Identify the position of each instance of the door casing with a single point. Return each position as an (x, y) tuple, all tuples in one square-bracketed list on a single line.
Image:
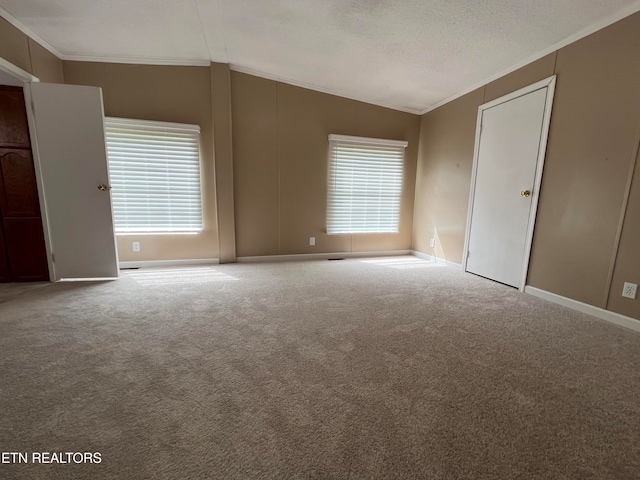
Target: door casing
[(548, 83)]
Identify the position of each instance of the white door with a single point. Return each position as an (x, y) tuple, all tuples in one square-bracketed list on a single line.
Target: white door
[(511, 138), (67, 132)]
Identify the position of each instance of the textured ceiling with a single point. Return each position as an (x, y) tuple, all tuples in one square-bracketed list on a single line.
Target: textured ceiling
[(406, 54)]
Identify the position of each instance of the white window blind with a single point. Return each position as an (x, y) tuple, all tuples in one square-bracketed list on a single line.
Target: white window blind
[(365, 184), (154, 170)]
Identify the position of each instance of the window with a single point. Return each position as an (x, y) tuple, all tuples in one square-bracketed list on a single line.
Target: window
[(154, 169), (365, 183)]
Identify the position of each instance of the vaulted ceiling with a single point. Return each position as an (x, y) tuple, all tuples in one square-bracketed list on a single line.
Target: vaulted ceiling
[(405, 54)]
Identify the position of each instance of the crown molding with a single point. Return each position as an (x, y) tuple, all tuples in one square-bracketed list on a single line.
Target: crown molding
[(309, 86), (610, 20), (174, 62), (29, 33)]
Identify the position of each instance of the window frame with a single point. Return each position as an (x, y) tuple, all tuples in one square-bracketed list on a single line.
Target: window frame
[(156, 128), (391, 151)]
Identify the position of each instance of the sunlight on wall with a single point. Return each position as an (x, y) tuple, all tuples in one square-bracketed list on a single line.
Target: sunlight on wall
[(438, 251)]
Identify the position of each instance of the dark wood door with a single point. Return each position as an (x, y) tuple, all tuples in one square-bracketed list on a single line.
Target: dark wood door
[(5, 275), (27, 254), (19, 191), (23, 254), (14, 131)]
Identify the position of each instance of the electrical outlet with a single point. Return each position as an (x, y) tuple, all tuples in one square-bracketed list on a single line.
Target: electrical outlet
[(312, 241), (629, 290), (432, 242), (136, 246)]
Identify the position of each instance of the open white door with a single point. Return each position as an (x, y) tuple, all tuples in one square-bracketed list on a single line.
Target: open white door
[(67, 136)]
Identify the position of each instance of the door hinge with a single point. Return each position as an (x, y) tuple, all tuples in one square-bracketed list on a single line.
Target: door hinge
[(53, 257)]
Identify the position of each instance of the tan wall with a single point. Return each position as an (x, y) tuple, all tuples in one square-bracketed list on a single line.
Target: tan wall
[(595, 120), (17, 48), (592, 143), (170, 94), (45, 65), (445, 159), (627, 265), (280, 143)]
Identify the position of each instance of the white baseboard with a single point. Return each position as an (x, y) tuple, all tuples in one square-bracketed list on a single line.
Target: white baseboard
[(169, 263), (320, 256), (431, 258), (585, 308)]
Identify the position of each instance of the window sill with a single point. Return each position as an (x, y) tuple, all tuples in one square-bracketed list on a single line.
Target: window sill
[(155, 234)]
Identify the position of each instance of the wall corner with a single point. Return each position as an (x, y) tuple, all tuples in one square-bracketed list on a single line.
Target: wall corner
[(223, 160)]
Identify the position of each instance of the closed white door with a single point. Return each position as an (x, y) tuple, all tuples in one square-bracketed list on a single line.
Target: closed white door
[(67, 131), (507, 157)]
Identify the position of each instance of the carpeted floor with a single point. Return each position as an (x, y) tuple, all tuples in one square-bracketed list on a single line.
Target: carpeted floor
[(354, 369), (9, 291)]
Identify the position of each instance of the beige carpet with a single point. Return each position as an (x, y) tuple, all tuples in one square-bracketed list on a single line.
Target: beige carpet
[(376, 369)]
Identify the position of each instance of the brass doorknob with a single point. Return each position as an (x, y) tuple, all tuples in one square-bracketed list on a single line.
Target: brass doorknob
[(103, 188), (525, 193)]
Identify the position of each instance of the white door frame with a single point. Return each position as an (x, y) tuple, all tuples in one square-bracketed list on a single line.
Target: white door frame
[(550, 84), (41, 191), (27, 78), (16, 72)]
